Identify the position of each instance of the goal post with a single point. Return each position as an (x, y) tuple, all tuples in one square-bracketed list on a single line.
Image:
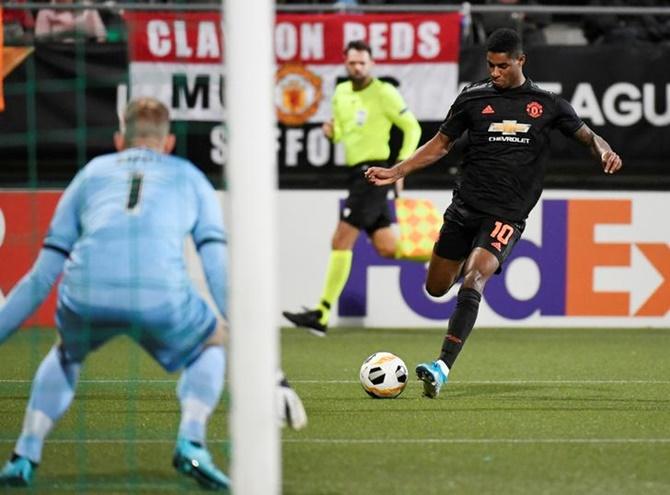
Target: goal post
[(251, 174)]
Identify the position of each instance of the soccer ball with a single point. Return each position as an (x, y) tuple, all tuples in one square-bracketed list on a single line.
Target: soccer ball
[(383, 375)]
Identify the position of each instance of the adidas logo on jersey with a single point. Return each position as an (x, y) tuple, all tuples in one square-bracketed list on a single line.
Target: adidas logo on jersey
[(488, 110), (497, 245)]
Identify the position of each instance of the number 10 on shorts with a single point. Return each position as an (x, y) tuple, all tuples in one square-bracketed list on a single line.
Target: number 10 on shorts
[(502, 232)]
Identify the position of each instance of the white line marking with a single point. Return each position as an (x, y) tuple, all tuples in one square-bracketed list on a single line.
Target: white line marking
[(511, 382), (104, 382), (128, 487), (346, 382), (365, 441), (477, 440)]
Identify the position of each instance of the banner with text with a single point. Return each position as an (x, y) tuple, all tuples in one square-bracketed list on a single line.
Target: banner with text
[(178, 58), (55, 119), (585, 259)]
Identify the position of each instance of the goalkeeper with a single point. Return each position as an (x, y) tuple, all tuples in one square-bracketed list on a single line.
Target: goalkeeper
[(118, 237)]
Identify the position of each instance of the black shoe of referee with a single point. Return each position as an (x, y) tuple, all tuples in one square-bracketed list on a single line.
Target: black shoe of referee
[(309, 319)]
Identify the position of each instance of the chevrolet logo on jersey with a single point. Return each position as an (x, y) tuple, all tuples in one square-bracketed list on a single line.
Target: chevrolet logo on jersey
[(509, 130), (509, 127)]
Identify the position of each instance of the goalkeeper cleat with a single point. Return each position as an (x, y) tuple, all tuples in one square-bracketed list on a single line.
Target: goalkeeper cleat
[(309, 319), (290, 409), (18, 471), (194, 460), (433, 375)]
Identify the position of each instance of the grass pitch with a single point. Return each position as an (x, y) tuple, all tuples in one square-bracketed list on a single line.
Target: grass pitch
[(527, 411)]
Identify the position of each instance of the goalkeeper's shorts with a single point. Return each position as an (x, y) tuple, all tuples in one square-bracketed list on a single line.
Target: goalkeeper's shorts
[(173, 334)]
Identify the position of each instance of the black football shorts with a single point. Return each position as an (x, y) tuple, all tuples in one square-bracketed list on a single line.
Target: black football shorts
[(366, 207), (465, 228)]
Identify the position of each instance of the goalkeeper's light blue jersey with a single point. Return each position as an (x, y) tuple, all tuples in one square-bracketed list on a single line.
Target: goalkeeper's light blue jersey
[(123, 222)]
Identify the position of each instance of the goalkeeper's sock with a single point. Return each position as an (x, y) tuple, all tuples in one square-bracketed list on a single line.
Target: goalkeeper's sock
[(51, 395), (337, 273), (199, 390), (460, 324)]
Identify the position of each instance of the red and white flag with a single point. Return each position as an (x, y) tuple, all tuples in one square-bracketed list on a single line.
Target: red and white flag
[(177, 58), (2, 68)]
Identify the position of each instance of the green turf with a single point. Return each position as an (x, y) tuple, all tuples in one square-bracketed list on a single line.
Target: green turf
[(527, 411)]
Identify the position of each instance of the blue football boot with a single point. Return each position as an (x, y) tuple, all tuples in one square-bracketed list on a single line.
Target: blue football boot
[(433, 375), (195, 461), (18, 471)]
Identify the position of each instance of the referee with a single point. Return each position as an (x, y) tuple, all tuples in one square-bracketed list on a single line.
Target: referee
[(364, 110)]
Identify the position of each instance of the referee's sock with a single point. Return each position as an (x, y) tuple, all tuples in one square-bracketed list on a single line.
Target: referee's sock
[(460, 324), (337, 273)]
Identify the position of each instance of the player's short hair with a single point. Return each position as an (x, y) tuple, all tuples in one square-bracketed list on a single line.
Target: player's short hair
[(505, 40), (145, 118), (359, 45)]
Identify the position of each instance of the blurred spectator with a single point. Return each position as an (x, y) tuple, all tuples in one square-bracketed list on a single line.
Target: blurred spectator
[(622, 29), (529, 26), (66, 25), (18, 25), (112, 19)]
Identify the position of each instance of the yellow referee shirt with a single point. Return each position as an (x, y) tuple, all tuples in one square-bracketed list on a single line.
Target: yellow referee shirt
[(362, 120)]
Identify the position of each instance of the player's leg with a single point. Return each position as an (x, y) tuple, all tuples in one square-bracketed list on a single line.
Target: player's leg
[(187, 334), (479, 268), (385, 242), (52, 391), (200, 386), (337, 273), (445, 267), (493, 244), (338, 269), (362, 210), (442, 275), (199, 390)]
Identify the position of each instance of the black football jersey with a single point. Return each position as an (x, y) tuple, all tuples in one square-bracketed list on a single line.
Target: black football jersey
[(507, 144)]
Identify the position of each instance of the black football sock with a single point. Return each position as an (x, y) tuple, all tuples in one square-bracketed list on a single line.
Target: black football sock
[(460, 324)]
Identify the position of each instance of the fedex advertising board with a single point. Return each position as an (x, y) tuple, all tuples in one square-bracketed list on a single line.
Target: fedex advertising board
[(585, 259)]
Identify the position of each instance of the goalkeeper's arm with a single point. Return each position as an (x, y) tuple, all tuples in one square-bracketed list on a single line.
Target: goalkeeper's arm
[(214, 263), (29, 293)]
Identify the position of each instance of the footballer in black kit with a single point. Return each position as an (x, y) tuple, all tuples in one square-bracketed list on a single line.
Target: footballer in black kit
[(508, 119), (504, 162)]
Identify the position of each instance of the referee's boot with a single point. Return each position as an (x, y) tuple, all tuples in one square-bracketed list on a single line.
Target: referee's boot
[(18, 471), (194, 460), (309, 319), (433, 375)]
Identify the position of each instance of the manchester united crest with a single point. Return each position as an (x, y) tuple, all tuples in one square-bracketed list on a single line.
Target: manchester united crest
[(297, 94), (534, 109)]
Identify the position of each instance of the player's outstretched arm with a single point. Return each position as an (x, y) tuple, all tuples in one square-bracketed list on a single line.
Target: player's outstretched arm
[(427, 154), (610, 161), (31, 290)]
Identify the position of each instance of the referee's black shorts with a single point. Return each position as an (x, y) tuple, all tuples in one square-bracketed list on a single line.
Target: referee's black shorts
[(366, 207)]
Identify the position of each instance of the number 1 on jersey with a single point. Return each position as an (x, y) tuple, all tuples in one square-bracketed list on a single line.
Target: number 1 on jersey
[(135, 192)]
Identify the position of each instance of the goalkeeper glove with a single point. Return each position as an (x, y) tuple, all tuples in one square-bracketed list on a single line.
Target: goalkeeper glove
[(290, 409)]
